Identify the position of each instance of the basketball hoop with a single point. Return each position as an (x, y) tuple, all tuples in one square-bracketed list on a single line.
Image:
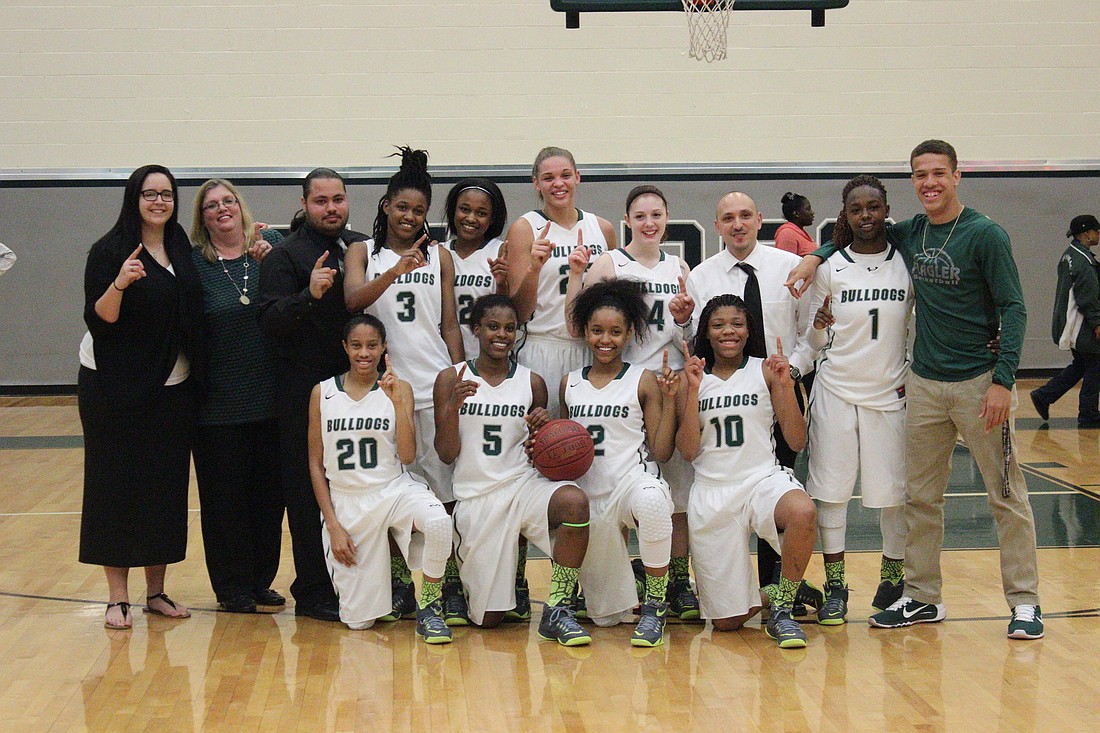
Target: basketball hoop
[(707, 24)]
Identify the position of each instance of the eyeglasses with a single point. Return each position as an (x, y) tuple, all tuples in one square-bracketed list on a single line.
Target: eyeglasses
[(151, 195), (227, 202)]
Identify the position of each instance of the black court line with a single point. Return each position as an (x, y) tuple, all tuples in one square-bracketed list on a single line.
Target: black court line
[(36, 442), (88, 601)]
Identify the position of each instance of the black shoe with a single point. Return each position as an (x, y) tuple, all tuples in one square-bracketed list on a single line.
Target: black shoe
[(639, 578), (268, 597), (1040, 407), (454, 609), (1087, 424), (238, 604), (323, 611)]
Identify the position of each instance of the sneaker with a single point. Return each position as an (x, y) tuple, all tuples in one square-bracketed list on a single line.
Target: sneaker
[(650, 630), (580, 606), (455, 610), (887, 594), (404, 600), (785, 630), (906, 612), (1026, 623), (522, 611), (809, 594), (430, 625), (639, 578), (835, 610), (1040, 407), (559, 623), (682, 601)]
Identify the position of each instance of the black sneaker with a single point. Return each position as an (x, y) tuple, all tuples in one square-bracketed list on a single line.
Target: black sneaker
[(650, 630), (559, 623), (639, 578), (835, 610), (430, 625), (907, 612), (580, 605), (1040, 407), (809, 594), (888, 594), (1026, 623), (785, 630), (455, 610), (404, 600), (522, 611), (682, 601)]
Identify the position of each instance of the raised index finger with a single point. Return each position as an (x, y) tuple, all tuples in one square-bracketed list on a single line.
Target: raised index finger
[(828, 299), (545, 231), (321, 261), (779, 346), (683, 286), (684, 346), (462, 371), (664, 362), (136, 252)]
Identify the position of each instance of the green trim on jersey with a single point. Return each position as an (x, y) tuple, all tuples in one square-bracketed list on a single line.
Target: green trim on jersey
[(585, 370)]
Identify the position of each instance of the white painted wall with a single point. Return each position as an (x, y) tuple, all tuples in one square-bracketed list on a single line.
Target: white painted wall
[(102, 83)]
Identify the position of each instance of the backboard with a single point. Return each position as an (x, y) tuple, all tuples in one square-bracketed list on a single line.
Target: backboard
[(573, 8)]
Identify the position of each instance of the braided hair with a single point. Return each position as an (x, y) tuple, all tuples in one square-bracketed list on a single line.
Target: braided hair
[(842, 232), (413, 174), (705, 350)]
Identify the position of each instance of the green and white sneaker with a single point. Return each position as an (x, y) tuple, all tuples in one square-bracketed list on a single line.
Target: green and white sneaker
[(835, 610), (906, 612), (1026, 623), (430, 625), (887, 594), (559, 623), (650, 630), (784, 629)]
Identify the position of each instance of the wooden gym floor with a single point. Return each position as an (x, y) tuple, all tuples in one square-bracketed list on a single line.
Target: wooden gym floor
[(272, 672)]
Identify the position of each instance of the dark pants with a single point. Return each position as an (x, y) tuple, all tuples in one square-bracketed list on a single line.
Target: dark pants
[(311, 584), (242, 506), (1084, 368), (767, 559)]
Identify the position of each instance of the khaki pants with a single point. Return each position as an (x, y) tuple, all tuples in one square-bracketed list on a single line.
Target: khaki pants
[(936, 411)]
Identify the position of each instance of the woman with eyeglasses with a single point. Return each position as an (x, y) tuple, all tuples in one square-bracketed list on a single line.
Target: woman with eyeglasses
[(140, 363), (239, 490)]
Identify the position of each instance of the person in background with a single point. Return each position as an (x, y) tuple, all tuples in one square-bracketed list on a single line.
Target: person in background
[(1075, 325), (791, 236)]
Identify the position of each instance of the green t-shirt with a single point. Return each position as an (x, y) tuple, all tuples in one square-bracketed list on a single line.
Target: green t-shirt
[(964, 291)]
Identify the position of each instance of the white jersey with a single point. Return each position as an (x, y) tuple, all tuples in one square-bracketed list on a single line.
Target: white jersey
[(737, 419), (492, 431), (359, 438), (549, 316), (661, 285), (863, 359), (613, 417), (411, 310), (473, 279)]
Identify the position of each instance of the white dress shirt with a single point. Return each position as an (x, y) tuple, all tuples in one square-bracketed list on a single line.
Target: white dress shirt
[(784, 316)]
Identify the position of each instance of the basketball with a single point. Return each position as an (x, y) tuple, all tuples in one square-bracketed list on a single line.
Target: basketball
[(563, 450)]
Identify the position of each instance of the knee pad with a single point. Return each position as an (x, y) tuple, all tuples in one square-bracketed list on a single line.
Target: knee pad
[(437, 531), (832, 522), (891, 521), (653, 514)]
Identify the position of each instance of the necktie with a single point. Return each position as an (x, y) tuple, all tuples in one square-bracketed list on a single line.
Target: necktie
[(756, 346)]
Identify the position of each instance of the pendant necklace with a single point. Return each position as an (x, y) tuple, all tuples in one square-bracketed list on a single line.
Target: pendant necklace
[(942, 247), (245, 300)]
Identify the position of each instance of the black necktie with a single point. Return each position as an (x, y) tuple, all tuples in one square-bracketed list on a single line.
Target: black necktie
[(756, 346)]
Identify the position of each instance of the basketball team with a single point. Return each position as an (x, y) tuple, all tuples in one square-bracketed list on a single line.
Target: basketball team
[(389, 391)]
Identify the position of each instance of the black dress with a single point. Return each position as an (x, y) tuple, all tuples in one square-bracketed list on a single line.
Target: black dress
[(137, 432)]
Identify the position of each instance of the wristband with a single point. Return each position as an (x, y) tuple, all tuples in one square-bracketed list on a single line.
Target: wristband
[(116, 287)]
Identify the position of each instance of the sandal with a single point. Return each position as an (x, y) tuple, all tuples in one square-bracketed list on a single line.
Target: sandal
[(164, 597), (125, 606)]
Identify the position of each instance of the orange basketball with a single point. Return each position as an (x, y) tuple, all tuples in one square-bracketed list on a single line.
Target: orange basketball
[(563, 450)]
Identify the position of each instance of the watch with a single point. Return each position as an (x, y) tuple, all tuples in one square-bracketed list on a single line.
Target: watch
[(796, 375)]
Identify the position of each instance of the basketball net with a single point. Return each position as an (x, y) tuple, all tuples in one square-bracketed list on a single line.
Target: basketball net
[(707, 24)]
